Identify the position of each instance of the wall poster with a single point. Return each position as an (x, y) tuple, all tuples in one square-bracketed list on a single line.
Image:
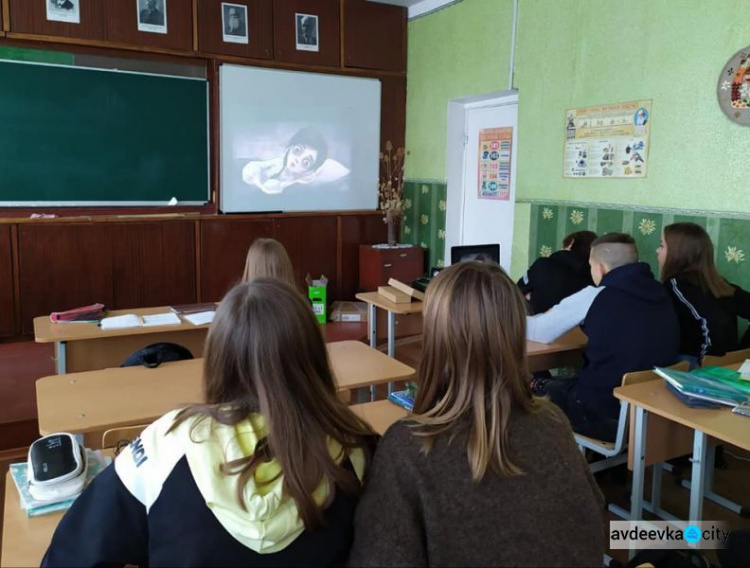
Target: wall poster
[(607, 140), (493, 180)]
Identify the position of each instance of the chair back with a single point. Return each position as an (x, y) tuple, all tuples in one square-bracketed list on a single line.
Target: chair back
[(119, 437), (638, 377), (731, 358)]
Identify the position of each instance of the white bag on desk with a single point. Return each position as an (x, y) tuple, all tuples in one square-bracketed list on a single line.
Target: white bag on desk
[(56, 468)]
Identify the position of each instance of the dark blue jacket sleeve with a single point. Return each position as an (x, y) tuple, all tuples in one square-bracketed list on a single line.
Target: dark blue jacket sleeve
[(106, 526)]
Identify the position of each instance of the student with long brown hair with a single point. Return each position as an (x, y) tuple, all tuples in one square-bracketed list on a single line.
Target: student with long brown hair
[(267, 258), (483, 473), (267, 471), (706, 304)]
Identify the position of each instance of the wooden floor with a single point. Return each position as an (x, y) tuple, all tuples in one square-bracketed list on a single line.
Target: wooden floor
[(23, 362)]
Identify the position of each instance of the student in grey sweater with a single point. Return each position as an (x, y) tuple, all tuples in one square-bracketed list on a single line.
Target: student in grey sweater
[(483, 474)]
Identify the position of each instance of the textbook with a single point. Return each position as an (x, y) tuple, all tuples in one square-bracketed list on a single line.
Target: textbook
[(85, 314), (96, 463), (703, 385), (726, 376), (404, 398), (193, 308)]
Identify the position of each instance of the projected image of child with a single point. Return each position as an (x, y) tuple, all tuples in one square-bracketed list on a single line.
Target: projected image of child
[(305, 153)]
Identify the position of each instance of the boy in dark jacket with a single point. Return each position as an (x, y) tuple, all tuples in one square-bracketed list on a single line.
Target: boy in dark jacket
[(630, 323), (552, 279)]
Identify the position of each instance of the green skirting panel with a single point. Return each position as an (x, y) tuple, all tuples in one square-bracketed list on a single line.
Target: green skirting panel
[(424, 218)]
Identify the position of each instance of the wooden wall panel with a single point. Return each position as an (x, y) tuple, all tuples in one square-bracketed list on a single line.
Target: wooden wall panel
[(122, 24), (355, 231), (260, 27), (373, 36), (7, 309), (284, 31), (154, 264), (311, 244), (30, 16), (62, 267), (393, 111), (224, 246)]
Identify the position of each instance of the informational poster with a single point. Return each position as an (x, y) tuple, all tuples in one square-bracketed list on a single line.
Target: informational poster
[(607, 140), (494, 163)]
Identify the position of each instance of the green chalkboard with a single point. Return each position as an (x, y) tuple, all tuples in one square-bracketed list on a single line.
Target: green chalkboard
[(73, 136)]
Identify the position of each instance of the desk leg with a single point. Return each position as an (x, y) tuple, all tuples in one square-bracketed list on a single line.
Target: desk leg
[(698, 479), (639, 467), (709, 492), (391, 341), (61, 362), (639, 464), (372, 332), (372, 325)]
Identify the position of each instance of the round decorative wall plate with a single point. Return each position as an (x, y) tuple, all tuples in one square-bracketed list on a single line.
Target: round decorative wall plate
[(733, 90)]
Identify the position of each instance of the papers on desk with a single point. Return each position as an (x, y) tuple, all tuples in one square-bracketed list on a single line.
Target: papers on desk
[(131, 320), (161, 319), (18, 471), (120, 322), (200, 318)]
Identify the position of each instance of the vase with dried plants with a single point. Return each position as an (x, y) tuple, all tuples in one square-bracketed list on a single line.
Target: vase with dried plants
[(391, 190)]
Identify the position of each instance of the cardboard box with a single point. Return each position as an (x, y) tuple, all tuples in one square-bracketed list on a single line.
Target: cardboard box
[(318, 294), (349, 311)]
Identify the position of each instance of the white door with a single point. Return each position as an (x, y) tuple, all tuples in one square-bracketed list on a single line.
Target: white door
[(483, 220)]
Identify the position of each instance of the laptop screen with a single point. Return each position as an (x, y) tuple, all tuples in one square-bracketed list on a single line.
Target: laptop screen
[(489, 252)]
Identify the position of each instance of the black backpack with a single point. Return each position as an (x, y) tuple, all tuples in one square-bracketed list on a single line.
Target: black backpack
[(154, 355)]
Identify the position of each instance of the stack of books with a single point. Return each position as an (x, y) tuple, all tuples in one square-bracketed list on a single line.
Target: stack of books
[(193, 308), (404, 398), (714, 384), (96, 462), (87, 314)]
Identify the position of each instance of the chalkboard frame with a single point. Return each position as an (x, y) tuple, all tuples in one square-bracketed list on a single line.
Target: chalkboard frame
[(35, 204)]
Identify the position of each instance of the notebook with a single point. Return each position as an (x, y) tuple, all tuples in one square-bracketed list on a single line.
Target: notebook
[(131, 320), (703, 386), (200, 318)]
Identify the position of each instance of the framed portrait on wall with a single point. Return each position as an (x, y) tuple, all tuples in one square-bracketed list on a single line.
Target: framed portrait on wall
[(64, 11), (307, 32), (152, 16), (234, 23)]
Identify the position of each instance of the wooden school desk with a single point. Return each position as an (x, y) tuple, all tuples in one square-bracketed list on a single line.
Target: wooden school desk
[(652, 397), (85, 347), (379, 414), (26, 540), (564, 351), (375, 301), (96, 400)]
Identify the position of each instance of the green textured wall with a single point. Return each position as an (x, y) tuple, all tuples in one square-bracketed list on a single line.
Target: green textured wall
[(460, 51), (575, 53)]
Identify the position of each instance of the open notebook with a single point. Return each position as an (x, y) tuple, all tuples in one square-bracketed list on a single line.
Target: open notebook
[(131, 320)]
